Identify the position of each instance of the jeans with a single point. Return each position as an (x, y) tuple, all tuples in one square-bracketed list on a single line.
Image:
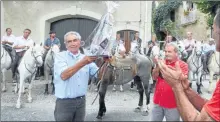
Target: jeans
[(70, 109)]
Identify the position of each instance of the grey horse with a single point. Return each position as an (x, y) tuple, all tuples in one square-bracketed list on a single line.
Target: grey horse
[(121, 72)]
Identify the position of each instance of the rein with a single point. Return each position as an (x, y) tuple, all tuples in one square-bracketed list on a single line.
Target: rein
[(52, 60), (35, 66), (194, 54)]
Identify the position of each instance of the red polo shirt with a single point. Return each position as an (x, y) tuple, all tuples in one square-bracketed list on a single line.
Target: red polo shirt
[(163, 94), (212, 107)]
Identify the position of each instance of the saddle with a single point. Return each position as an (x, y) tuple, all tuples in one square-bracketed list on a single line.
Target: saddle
[(124, 63)]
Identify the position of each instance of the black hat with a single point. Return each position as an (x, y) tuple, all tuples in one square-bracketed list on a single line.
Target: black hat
[(52, 32)]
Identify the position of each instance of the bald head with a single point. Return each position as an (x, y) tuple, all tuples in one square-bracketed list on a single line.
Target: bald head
[(189, 35)]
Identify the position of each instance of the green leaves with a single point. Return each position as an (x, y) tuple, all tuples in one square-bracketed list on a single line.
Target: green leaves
[(208, 7), (161, 17)]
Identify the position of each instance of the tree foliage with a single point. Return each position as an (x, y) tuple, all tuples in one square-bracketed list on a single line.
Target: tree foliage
[(209, 8), (161, 17)]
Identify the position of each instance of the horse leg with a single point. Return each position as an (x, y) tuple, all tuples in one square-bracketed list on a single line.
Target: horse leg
[(16, 85), (29, 90), (145, 81), (210, 81), (46, 74), (102, 92), (18, 105), (4, 81), (190, 77), (141, 94), (198, 83), (121, 88), (53, 88), (114, 88)]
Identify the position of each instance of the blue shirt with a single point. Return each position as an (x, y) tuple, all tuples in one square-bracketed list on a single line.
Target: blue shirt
[(207, 47), (48, 42), (77, 84)]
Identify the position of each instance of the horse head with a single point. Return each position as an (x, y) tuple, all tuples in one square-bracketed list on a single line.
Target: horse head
[(55, 49), (37, 52), (198, 48), (181, 50)]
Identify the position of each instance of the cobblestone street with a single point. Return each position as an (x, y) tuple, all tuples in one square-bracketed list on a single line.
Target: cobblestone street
[(120, 105)]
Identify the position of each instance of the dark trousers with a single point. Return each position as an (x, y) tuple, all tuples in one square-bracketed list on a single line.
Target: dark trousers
[(205, 58), (11, 52), (72, 109), (16, 62)]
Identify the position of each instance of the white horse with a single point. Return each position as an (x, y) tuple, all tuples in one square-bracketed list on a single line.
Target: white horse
[(48, 66), (195, 65), (27, 70), (213, 66), (5, 65)]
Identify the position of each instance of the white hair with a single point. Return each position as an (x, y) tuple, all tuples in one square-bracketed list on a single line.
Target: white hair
[(176, 48), (72, 33)]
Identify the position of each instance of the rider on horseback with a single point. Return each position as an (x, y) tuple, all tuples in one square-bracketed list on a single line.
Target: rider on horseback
[(118, 46), (208, 49), (21, 44), (151, 43), (7, 42), (47, 45), (189, 44)]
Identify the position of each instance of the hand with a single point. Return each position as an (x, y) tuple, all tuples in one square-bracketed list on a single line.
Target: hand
[(23, 47), (185, 84), (155, 73), (172, 76), (89, 59), (150, 45), (4, 42)]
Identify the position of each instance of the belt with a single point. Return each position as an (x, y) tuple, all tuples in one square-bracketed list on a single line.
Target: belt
[(80, 97)]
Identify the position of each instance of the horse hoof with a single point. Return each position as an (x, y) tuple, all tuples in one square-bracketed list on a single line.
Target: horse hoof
[(138, 109), (99, 117), (3, 90), (145, 113), (96, 89), (53, 93), (121, 90), (199, 92), (18, 105), (46, 93), (113, 89), (30, 100)]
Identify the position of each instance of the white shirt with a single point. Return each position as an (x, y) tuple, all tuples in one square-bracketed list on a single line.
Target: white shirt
[(121, 46), (189, 42), (207, 47), (21, 41), (10, 38)]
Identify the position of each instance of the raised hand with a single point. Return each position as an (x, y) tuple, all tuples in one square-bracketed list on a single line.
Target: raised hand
[(89, 59)]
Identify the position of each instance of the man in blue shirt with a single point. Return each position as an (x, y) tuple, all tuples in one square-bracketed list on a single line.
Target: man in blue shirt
[(47, 45), (208, 49), (71, 74)]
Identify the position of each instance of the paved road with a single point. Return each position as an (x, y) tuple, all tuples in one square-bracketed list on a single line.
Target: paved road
[(120, 105)]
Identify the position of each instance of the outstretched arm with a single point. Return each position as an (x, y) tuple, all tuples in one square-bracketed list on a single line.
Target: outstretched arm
[(186, 109)]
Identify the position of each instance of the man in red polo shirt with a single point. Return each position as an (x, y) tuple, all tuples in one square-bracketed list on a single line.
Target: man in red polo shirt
[(191, 106), (164, 99)]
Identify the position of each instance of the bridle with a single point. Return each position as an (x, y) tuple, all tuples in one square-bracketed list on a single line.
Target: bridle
[(194, 62), (35, 67), (52, 55)]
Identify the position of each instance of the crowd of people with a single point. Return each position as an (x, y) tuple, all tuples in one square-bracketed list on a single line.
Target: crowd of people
[(173, 98)]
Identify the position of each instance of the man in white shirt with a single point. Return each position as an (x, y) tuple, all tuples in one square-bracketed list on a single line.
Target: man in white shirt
[(7, 41), (208, 49), (189, 43), (21, 44), (118, 46)]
